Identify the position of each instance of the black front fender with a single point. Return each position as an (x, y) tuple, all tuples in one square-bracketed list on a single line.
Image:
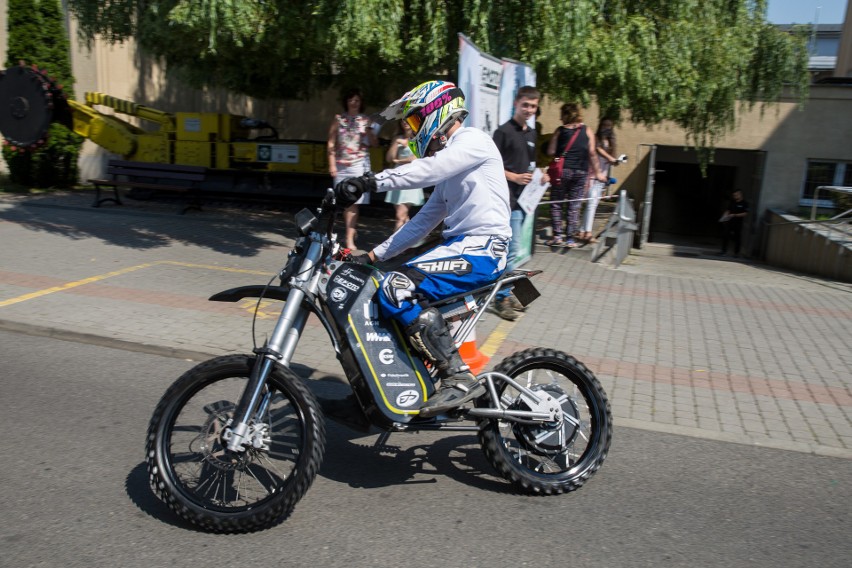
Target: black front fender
[(256, 291)]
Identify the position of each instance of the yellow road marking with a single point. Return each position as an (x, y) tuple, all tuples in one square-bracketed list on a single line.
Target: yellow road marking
[(75, 284), (99, 277), (251, 305), (495, 340), (214, 267), (488, 348)]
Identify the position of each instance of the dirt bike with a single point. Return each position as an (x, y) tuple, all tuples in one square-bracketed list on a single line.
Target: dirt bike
[(237, 440)]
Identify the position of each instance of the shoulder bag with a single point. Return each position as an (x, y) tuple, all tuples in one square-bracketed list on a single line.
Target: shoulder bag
[(554, 170)]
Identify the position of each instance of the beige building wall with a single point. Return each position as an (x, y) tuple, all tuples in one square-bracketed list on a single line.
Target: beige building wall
[(4, 34), (823, 131)]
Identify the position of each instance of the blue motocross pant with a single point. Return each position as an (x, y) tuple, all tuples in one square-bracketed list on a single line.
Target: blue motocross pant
[(458, 265)]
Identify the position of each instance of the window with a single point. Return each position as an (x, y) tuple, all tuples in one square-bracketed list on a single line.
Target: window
[(826, 46), (822, 172)]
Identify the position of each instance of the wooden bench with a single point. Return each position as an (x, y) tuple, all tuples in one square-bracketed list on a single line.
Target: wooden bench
[(154, 177)]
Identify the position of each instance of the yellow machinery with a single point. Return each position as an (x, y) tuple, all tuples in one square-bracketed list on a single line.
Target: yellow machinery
[(224, 143)]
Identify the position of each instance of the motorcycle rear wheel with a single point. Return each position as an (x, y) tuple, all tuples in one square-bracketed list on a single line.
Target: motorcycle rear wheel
[(192, 471), (554, 458)]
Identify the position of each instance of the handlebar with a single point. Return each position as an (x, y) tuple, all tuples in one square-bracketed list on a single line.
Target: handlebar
[(329, 202), (329, 198)]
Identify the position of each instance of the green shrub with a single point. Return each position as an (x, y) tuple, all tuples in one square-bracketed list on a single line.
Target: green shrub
[(843, 202), (55, 164)]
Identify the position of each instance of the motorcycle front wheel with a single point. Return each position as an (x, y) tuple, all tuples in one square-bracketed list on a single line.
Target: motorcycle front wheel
[(193, 472), (548, 458)]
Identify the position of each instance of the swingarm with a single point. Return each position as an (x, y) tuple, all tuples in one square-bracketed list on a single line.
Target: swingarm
[(542, 406)]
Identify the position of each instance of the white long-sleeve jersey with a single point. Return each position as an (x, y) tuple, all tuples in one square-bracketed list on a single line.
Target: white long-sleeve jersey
[(471, 195)]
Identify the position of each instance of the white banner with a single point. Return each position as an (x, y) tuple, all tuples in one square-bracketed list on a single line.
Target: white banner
[(479, 79)]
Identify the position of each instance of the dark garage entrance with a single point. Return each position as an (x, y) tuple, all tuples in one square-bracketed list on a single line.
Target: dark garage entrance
[(686, 205)]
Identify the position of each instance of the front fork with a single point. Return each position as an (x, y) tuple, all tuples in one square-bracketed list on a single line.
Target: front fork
[(244, 429)]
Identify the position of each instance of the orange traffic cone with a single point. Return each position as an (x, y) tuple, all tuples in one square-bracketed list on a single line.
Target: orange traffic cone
[(474, 358)]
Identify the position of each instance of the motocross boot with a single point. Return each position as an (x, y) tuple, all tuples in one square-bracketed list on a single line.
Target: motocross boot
[(430, 335)]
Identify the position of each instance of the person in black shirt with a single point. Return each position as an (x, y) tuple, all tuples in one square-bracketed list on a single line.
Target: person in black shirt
[(732, 222), (516, 141)]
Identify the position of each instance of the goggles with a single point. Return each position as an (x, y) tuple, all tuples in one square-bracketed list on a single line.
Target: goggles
[(414, 121), (418, 116)]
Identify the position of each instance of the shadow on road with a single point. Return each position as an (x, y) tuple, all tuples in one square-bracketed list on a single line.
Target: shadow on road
[(371, 460), (234, 228), (364, 464), (137, 488)]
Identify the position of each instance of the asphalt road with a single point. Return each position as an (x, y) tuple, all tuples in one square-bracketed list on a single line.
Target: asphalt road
[(74, 491)]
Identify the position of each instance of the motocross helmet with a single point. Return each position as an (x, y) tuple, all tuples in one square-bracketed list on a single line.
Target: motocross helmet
[(430, 109)]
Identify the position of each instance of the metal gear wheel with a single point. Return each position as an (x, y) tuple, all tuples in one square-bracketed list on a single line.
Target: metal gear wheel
[(29, 102)]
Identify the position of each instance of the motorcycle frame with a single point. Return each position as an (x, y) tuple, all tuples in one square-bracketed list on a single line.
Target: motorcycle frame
[(300, 300)]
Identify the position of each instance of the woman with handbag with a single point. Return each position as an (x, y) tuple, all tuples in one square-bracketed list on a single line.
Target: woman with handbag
[(573, 144)]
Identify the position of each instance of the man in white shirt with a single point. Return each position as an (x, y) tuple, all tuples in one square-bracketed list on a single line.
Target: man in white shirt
[(471, 198)]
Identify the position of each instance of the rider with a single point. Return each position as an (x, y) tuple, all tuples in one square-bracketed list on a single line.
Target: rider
[(471, 198)]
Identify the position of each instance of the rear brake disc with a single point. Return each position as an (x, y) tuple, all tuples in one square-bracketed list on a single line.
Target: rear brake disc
[(548, 438)]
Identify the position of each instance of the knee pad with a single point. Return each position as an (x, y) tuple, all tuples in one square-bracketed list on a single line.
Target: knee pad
[(397, 288)]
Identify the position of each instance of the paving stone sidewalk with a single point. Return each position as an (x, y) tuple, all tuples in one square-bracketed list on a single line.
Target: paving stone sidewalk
[(699, 346)]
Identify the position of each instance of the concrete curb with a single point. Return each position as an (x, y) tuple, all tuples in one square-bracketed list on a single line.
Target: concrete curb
[(111, 342)]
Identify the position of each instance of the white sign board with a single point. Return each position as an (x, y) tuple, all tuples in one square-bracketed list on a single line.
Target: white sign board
[(532, 193), (278, 153)]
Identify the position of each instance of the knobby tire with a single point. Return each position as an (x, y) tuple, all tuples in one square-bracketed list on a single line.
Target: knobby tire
[(303, 415), (505, 457)]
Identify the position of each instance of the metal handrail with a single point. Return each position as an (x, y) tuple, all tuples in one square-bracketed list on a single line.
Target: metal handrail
[(621, 225), (802, 252), (832, 221), (837, 188), (841, 226)]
